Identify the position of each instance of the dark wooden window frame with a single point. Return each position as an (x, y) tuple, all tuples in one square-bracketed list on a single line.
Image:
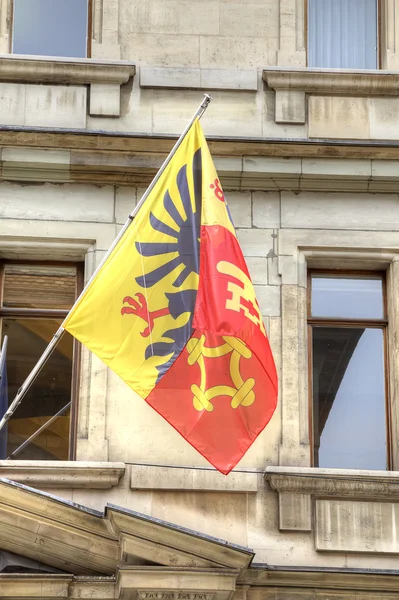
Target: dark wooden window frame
[(89, 26), (58, 314), (339, 322), (380, 19)]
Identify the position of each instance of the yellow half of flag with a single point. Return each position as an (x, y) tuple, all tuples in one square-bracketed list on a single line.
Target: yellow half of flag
[(137, 313)]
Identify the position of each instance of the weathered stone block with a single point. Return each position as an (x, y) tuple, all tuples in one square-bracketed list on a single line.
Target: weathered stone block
[(198, 18), (105, 100), (254, 20), (256, 242), (266, 209), (12, 103), (384, 118), (325, 211), (257, 267), (240, 206), (269, 299), (125, 201), (339, 117), (162, 51), (290, 107), (223, 51), (350, 526), (56, 106), (50, 202), (295, 511)]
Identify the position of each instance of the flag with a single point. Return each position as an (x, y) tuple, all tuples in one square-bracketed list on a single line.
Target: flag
[(173, 312), (3, 398)]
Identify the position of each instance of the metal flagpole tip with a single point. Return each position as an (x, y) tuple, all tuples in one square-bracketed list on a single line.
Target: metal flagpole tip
[(207, 100)]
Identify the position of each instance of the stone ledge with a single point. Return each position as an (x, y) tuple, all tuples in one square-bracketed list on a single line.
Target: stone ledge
[(292, 84), (43, 69), (207, 79), (104, 77), (59, 474), (156, 478), (366, 82), (341, 483)]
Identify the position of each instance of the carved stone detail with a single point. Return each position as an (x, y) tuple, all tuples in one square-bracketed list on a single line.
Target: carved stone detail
[(334, 482)]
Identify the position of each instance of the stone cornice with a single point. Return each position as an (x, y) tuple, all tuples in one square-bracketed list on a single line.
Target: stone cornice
[(96, 141), (59, 474), (340, 483), (28, 69), (321, 579), (245, 172), (331, 81)]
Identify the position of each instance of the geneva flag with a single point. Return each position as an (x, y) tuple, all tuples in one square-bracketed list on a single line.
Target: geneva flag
[(173, 312)]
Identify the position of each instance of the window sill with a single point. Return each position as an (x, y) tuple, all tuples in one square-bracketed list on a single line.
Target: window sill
[(104, 77), (62, 475), (292, 84), (341, 483)]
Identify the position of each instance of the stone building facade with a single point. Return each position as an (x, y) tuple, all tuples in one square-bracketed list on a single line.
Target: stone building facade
[(112, 503)]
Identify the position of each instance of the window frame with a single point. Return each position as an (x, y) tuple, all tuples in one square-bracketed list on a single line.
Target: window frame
[(46, 313), (382, 324), (380, 13), (90, 8)]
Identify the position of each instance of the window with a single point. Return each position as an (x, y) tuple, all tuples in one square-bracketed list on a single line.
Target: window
[(343, 34), (34, 299), (51, 27), (347, 332)]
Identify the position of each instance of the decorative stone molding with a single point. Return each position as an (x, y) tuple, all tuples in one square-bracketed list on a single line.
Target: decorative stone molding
[(291, 86), (341, 483), (63, 475), (237, 172), (104, 77)]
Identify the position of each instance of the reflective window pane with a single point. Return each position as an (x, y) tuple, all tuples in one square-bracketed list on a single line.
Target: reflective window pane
[(35, 286), (27, 338), (347, 298), (50, 27), (349, 414)]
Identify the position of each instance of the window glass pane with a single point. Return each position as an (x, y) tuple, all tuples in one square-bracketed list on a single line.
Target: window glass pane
[(27, 339), (342, 34), (347, 298), (31, 286), (349, 415), (50, 27)]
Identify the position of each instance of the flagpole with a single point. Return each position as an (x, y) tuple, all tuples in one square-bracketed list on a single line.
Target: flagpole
[(25, 387)]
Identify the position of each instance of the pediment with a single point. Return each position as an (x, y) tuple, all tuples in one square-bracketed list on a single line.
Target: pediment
[(144, 554)]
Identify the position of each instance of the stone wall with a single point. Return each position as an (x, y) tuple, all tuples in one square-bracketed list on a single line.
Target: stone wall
[(280, 233)]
